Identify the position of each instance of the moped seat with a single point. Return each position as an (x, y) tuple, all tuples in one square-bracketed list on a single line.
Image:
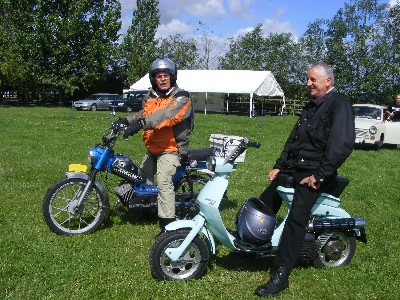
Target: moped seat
[(200, 154)]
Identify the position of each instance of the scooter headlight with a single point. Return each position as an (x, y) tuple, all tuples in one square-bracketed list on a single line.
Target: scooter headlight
[(373, 130), (211, 163)]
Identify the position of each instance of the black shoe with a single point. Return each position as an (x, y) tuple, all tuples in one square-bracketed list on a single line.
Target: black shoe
[(276, 284), (164, 222)]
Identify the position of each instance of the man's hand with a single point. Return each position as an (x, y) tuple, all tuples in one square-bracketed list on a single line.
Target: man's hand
[(121, 122), (132, 129), (311, 182), (272, 174)]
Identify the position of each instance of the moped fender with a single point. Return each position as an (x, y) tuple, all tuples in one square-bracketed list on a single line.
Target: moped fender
[(85, 176), (196, 225)]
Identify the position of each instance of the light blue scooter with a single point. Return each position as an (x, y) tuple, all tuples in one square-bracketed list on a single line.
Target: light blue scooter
[(182, 252)]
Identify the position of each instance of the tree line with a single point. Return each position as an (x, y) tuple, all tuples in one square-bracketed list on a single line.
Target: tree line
[(72, 48)]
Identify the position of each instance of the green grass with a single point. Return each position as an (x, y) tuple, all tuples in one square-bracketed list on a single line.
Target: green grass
[(37, 144)]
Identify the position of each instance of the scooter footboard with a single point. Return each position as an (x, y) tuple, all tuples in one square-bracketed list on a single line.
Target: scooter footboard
[(195, 225)]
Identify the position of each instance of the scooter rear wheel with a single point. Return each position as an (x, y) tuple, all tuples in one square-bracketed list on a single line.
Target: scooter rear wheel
[(191, 265), (337, 249)]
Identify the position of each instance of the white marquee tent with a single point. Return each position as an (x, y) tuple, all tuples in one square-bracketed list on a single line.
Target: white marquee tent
[(261, 83)]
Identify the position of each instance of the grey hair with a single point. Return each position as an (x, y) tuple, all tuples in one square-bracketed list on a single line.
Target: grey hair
[(325, 69)]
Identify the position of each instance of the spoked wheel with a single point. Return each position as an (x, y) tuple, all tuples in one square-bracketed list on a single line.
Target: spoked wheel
[(62, 214), (191, 265), (337, 249)]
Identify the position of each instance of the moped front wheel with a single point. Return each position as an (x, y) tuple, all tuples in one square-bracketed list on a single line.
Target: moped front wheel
[(336, 249), (191, 265), (65, 217)]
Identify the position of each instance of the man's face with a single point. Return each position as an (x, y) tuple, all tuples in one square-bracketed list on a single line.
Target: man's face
[(317, 84), (163, 81), (398, 99)]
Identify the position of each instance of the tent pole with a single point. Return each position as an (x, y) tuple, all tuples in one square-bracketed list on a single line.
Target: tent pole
[(227, 105), (251, 105), (205, 105)]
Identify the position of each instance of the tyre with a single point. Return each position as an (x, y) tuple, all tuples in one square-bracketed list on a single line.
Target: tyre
[(64, 217), (129, 109), (191, 265), (186, 192), (93, 107), (190, 186), (337, 249)]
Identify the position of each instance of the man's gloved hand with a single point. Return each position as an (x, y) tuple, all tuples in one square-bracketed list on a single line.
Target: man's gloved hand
[(121, 122), (132, 129)]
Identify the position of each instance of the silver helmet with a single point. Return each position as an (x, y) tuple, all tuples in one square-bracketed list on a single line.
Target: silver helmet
[(255, 222), (163, 65)]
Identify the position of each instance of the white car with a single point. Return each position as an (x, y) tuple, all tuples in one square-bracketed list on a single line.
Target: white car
[(372, 127)]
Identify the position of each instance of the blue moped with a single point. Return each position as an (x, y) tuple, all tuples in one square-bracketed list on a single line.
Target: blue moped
[(182, 252), (78, 203)]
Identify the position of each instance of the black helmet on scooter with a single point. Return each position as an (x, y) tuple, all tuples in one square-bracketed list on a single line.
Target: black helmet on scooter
[(255, 222)]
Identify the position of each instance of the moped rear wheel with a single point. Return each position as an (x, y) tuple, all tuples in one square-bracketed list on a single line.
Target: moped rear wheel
[(336, 249), (191, 265), (62, 214)]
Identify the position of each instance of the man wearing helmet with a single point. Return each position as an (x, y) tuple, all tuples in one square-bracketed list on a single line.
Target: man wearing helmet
[(319, 143), (167, 120)]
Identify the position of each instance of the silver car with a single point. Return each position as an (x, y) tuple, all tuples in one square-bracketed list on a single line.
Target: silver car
[(95, 101)]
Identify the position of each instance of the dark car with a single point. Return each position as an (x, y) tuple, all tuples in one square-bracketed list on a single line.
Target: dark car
[(129, 101)]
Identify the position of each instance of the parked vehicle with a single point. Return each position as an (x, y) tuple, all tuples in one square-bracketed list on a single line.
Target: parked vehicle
[(372, 128), (182, 252), (78, 203), (95, 102), (129, 101)]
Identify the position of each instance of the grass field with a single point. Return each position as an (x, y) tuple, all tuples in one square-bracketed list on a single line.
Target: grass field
[(38, 143)]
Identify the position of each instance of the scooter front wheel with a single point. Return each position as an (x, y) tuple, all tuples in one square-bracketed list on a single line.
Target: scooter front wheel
[(337, 249), (191, 265), (65, 217)]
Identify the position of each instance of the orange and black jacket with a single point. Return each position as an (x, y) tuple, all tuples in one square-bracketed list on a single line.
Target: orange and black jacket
[(167, 121)]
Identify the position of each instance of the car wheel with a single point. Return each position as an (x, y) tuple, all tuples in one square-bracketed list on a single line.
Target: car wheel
[(129, 109), (93, 107)]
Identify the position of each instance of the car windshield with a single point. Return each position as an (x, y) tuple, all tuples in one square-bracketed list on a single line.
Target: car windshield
[(93, 97), (367, 112)]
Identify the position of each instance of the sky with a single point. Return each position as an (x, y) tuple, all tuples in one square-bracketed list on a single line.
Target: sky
[(231, 18)]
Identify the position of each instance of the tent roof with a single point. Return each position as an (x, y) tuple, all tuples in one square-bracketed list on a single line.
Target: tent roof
[(261, 83)]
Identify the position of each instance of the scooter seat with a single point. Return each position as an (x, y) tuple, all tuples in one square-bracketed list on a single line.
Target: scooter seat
[(332, 187), (286, 180)]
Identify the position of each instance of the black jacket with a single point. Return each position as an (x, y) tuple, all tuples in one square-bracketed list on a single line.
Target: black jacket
[(323, 137)]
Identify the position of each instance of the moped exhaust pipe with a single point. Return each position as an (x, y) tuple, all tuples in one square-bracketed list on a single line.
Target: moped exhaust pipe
[(342, 224)]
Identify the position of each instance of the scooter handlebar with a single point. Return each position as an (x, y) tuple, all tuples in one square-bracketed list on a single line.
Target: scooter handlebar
[(253, 144)]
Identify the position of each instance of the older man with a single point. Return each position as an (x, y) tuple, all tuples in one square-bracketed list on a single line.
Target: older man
[(319, 143)]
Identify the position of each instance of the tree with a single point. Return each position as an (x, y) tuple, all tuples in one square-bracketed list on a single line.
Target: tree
[(61, 45), (139, 45), (76, 42), (246, 52), (17, 51), (182, 52), (354, 39)]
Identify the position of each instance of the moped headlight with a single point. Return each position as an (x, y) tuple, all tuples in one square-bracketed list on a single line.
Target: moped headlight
[(373, 130), (90, 156)]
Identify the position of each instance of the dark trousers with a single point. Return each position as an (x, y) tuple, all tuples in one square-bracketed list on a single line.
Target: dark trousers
[(295, 227)]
